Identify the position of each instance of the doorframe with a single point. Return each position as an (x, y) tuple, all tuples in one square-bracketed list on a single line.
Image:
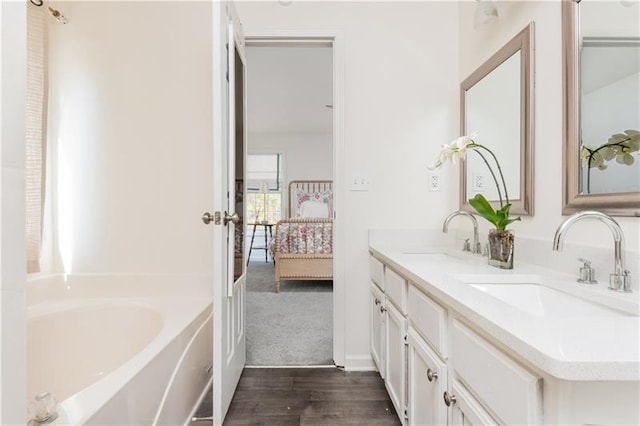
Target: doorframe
[(336, 39)]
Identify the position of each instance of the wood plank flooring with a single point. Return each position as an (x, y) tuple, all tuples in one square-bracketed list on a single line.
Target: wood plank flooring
[(310, 396)]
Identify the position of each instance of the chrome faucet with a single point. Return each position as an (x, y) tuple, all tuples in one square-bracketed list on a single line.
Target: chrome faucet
[(620, 280), (476, 248)]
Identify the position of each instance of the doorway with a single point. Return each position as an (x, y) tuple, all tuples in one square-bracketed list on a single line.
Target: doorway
[(290, 91)]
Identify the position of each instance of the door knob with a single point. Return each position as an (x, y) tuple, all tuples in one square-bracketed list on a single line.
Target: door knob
[(448, 398), (207, 218), (431, 375), (377, 301), (231, 218), (383, 309)]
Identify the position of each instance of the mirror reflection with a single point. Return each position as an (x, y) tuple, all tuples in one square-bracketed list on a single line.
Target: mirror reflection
[(609, 97), (497, 111), (493, 114)]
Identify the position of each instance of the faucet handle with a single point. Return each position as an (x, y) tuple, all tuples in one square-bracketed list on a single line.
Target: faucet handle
[(587, 274), (587, 262), (466, 246), (620, 282)]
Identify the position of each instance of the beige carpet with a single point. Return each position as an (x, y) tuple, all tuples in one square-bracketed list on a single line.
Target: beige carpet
[(294, 327)]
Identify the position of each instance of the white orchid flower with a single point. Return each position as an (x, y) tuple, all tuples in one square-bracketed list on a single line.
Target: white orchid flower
[(453, 151)]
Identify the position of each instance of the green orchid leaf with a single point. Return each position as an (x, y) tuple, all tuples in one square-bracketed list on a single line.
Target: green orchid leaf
[(483, 208), (499, 218), (504, 219)]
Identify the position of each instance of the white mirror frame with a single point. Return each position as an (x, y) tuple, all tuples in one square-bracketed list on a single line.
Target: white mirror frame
[(618, 204), (523, 42)]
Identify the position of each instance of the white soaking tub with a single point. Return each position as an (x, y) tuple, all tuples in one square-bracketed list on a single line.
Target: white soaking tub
[(120, 350)]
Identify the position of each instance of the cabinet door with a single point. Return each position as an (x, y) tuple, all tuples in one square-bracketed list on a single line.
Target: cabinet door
[(376, 313), (427, 382), (396, 325), (465, 410)]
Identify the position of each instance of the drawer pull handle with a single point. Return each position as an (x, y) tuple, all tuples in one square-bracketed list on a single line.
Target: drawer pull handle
[(377, 301), (431, 375), (383, 309), (448, 399)]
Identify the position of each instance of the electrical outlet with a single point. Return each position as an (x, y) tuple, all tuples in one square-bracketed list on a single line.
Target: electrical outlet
[(433, 182), (478, 183)]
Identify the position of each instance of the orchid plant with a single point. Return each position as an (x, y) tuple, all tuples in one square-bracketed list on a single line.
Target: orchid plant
[(620, 146), (458, 150)]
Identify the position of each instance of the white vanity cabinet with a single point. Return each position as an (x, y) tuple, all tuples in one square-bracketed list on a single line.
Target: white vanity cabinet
[(388, 310), (452, 356), (429, 358)]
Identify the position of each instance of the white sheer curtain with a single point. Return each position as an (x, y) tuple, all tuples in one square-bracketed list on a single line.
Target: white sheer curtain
[(36, 120)]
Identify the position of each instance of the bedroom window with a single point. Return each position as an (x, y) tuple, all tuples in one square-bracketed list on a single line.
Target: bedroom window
[(264, 189)]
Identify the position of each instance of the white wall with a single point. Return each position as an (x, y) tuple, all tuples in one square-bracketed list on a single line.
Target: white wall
[(400, 105), (305, 156), (478, 45), (13, 47), (131, 130)]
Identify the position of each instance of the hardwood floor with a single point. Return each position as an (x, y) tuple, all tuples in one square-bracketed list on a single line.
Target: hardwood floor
[(310, 396)]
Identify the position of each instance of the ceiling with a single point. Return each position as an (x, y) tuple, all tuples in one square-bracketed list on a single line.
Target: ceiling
[(288, 88)]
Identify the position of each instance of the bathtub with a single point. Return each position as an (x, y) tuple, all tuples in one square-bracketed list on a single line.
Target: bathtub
[(120, 350)]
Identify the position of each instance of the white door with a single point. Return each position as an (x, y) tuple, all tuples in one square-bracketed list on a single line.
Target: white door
[(377, 327), (465, 410), (229, 337), (396, 330), (427, 383)]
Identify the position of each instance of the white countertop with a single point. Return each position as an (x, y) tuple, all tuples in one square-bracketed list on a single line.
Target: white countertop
[(569, 348)]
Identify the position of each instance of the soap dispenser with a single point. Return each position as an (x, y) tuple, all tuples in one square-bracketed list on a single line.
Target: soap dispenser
[(586, 275)]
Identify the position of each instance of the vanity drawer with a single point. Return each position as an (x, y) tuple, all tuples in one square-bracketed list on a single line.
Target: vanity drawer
[(376, 270), (503, 386), (428, 318), (395, 288)]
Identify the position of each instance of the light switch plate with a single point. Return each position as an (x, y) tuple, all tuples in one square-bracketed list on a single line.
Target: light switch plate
[(359, 182)]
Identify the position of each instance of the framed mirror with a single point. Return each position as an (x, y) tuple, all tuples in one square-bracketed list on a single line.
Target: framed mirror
[(496, 105), (601, 81)]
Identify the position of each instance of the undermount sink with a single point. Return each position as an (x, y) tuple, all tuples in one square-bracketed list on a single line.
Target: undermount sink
[(538, 300)]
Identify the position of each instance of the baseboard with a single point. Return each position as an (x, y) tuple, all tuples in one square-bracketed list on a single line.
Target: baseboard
[(290, 366), (359, 363)]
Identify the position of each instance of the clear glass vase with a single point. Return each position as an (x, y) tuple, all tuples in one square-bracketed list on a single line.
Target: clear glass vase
[(501, 248)]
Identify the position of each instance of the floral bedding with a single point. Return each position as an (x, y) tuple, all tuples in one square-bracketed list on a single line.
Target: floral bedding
[(304, 236), (302, 195)]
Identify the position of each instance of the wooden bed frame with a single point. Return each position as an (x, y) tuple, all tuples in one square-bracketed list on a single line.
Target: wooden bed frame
[(303, 266)]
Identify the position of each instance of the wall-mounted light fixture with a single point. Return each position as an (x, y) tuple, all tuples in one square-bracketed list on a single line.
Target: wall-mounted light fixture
[(486, 12), (59, 16), (54, 12)]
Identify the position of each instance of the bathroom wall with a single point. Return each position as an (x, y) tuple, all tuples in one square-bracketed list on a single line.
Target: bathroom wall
[(400, 105), (12, 238), (476, 46), (131, 134)]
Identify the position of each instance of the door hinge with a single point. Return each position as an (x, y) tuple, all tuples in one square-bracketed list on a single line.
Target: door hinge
[(406, 340), (227, 72), (406, 414), (217, 218)]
